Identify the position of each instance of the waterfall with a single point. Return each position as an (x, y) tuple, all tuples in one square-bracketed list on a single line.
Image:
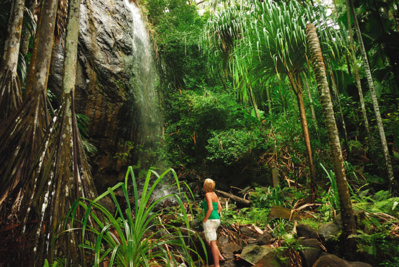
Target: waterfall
[(144, 84)]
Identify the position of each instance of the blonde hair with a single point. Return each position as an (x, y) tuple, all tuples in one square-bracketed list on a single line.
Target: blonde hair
[(209, 185)]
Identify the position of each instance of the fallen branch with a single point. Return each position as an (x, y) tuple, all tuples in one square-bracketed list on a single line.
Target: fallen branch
[(235, 198)]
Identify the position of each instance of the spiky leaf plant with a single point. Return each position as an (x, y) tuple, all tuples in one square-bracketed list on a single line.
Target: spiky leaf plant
[(134, 236)]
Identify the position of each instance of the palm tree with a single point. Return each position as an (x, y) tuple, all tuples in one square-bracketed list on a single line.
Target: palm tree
[(332, 133), (10, 86), (370, 82)]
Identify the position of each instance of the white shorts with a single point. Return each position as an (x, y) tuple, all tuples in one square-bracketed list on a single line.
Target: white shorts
[(210, 228)]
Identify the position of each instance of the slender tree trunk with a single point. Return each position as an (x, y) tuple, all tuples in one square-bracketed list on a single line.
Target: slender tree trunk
[(311, 106), (348, 220), (341, 114), (41, 55), (374, 99), (10, 86), (253, 101), (269, 100), (296, 85), (357, 76)]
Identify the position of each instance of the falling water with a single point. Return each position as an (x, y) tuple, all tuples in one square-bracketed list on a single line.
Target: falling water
[(144, 83)]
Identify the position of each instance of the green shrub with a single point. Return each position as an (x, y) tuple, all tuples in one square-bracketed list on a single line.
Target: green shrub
[(134, 236)]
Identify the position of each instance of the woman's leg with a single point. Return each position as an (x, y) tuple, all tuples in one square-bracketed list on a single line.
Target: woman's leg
[(215, 253)]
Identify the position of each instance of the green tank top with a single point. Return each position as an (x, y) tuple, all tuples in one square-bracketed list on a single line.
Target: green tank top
[(214, 214)]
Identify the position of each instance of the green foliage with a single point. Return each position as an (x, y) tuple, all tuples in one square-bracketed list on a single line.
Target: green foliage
[(133, 236), (124, 149), (47, 264), (231, 145), (83, 124), (282, 228), (333, 196), (176, 27), (379, 244), (253, 215), (202, 121), (311, 222), (268, 197)]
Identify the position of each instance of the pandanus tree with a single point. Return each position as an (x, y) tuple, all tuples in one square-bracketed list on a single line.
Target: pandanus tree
[(10, 85), (270, 41), (22, 135), (62, 174)]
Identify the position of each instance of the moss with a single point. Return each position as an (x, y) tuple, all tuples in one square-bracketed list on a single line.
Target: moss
[(312, 223)]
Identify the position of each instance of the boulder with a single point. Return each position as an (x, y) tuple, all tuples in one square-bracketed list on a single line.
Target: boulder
[(229, 249), (330, 260), (264, 239), (306, 231), (329, 232), (251, 231), (254, 253), (269, 260), (310, 251)]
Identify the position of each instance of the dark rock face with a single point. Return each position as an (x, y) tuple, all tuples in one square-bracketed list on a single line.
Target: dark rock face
[(102, 86)]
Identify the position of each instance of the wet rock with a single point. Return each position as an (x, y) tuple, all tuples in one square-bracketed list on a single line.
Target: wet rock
[(306, 231), (330, 260), (255, 253), (264, 239), (310, 252), (270, 260), (251, 231), (229, 249), (102, 85), (329, 232)]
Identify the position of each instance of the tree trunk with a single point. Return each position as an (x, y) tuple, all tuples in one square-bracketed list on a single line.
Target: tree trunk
[(21, 137), (312, 112), (296, 85), (269, 100), (341, 114), (10, 86), (348, 220), (41, 55), (63, 167), (374, 99), (357, 76), (253, 101)]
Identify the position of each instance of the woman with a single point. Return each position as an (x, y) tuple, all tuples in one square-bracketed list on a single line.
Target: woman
[(211, 221)]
